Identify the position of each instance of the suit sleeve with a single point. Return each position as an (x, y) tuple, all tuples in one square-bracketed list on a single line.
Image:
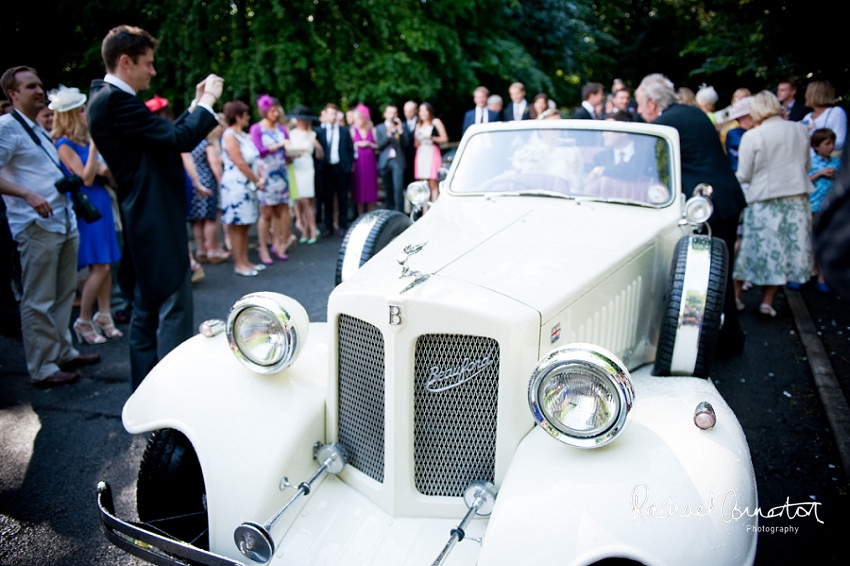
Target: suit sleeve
[(383, 139), (128, 115)]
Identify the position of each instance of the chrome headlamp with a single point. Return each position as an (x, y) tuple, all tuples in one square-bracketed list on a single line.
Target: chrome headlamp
[(582, 395), (418, 193), (698, 208), (266, 331)]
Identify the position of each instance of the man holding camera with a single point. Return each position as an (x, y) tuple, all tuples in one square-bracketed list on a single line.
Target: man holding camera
[(42, 221), (392, 142), (143, 152)]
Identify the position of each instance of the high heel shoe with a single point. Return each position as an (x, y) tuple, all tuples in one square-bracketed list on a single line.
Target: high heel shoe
[(89, 337), (108, 329)]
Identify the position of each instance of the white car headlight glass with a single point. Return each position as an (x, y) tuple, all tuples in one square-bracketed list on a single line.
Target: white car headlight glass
[(582, 395), (261, 333), (418, 193), (698, 209)]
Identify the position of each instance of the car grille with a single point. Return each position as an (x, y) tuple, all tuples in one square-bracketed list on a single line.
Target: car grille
[(361, 395), (455, 406)]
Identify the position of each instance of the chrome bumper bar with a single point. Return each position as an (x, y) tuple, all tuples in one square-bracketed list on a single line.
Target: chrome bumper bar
[(139, 540)]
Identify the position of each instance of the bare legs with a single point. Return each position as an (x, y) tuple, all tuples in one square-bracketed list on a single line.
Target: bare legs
[(98, 287), (239, 246), (306, 207)]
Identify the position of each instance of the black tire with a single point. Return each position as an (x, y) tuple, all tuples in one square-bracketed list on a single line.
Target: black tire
[(170, 494), (386, 225), (709, 326)]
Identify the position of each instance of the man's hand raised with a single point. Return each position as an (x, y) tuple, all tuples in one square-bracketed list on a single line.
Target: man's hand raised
[(209, 90)]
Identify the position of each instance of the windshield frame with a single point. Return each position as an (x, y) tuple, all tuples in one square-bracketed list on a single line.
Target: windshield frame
[(669, 135)]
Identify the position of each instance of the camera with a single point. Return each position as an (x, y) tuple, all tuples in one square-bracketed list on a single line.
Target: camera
[(84, 207)]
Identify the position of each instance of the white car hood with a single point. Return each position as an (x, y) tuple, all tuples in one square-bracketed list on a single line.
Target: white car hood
[(496, 242)]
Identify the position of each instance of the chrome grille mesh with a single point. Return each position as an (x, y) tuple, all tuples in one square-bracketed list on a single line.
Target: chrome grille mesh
[(361, 395), (455, 429)]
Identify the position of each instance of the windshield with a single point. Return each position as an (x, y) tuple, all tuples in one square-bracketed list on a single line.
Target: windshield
[(607, 165)]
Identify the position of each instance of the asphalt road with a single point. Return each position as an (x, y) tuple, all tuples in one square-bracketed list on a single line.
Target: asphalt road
[(55, 445)]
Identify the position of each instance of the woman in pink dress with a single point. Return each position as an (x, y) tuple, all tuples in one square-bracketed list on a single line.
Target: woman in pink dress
[(430, 133), (364, 190)]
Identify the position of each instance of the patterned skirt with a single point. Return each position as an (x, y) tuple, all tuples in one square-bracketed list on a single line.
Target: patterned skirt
[(776, 246)]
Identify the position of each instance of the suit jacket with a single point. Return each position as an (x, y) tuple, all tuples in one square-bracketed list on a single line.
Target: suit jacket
[(508, 112), (143, 152), (640, 166), (385, 143), (703, 160), (798, 111), (582, 114), (346, 149), (469, 118)]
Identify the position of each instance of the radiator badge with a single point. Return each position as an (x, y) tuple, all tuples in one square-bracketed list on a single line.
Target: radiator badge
[(444, 379)]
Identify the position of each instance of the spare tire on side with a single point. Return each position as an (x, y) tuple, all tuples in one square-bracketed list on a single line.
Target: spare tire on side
[(694, 307), (368, 235)]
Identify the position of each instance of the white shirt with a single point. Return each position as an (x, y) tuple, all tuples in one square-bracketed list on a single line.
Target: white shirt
[(481, 115), (332, 133), (589, 107), (624, 154), (519, 109), (411, 124), (25, 164)]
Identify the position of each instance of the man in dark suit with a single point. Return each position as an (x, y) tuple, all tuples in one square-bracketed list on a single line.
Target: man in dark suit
[(392, 140), (411, 118), (621, 101), (335, 169), (143, 153), (517, 108), (592, 95), (792, 109), (480, 114), (703, 161)]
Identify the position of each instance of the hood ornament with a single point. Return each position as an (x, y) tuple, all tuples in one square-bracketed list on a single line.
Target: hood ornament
[(406, 271)]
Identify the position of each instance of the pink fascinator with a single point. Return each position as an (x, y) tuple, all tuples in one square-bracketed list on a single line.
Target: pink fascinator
[(264, 102), (363, 110)]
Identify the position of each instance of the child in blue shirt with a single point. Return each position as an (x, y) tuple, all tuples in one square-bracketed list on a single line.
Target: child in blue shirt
[(824, 166), (822, 175)]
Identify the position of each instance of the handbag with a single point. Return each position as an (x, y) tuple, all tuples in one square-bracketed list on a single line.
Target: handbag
[(83, 206)]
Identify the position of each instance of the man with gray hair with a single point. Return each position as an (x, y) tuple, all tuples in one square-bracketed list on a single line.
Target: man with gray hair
[(703, 161)]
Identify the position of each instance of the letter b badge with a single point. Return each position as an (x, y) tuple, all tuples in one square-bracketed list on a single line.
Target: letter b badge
[(395, 315)]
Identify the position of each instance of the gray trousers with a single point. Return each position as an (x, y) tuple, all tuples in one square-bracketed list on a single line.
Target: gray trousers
[(49, 276), (158, 329), (392, 176)]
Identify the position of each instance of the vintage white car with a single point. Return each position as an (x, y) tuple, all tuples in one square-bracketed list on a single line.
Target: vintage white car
[(520, 377)]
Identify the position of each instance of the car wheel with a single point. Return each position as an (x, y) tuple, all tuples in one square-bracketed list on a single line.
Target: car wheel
[(367, 236), (694, 307), (170, 494)]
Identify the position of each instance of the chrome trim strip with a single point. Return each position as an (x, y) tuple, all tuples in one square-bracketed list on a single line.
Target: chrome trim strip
[(148, 545), (356, 242), (692, 306)]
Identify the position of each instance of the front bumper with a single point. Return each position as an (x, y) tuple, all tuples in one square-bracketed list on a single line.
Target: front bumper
[(141, 540)]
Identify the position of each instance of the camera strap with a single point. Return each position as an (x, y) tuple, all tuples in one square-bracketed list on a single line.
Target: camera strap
[(36, 140)]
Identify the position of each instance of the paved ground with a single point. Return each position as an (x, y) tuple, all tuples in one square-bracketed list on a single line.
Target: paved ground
[(57, 444)]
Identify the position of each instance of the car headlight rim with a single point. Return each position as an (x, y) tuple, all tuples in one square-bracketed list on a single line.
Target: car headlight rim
[(283, 339), (594, 363)]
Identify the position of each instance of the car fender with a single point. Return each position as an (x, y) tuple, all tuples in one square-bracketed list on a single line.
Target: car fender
[(658, 494), (249, 430)]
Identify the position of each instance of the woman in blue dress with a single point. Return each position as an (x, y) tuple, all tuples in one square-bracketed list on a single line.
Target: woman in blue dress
[(98, 242)]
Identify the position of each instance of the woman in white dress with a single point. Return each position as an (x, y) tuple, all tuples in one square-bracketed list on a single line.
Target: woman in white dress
[(303, 145), (239, 185)]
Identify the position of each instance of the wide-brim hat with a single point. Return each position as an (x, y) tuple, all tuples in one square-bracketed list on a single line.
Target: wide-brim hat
[(65, 98), (156, 103), (737, 110), (302, 113)]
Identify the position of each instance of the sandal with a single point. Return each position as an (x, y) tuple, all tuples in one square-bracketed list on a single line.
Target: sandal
[(108, 329), (767, 310), (91, 336), (739, 304)]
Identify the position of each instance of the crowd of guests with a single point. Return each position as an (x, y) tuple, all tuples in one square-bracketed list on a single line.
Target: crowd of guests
[(299, 177)]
